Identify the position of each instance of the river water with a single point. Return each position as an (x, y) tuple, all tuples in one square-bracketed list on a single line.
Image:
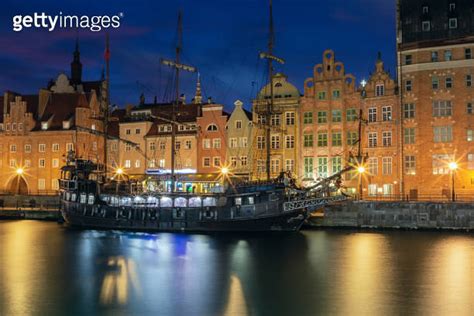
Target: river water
[(48, 269)]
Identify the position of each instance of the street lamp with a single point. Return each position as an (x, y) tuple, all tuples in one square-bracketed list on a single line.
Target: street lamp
[(19, 171), (453, 166), (361, 171)]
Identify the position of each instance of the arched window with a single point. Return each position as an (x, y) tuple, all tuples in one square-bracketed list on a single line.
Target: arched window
[(212, 127)]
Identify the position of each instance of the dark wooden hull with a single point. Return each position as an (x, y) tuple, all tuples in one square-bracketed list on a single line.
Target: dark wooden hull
[(165, 219)]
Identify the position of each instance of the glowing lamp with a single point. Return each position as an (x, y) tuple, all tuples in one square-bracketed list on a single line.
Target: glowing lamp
[(453, 165), (224, 170), (19, 171), (361, 169), (119, 171)]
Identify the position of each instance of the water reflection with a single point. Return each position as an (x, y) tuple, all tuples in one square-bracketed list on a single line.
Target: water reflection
[(48, 270), (120, 278)]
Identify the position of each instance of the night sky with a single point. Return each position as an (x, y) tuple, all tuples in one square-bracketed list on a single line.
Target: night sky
[(221, 38)]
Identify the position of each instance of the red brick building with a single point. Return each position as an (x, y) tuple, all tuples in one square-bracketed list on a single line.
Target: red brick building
[(435, 74), (381, 137)]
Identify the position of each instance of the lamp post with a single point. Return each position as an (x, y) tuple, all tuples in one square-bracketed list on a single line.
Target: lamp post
[(361, 171), (453, 166), (19, 173)]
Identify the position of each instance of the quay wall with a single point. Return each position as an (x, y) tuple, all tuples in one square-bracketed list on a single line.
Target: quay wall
[(397, 215)]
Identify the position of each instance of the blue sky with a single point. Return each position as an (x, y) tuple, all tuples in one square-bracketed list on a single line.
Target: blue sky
[(221, 38)]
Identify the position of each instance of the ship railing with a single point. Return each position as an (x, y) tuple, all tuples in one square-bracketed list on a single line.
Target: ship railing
[(305, 203), (168, 201)]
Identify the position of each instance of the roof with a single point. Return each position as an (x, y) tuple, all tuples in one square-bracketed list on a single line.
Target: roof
[(248, 114), (61, 107), (281, 88)]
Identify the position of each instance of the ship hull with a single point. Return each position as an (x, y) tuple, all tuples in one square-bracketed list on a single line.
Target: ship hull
[(139, 219)]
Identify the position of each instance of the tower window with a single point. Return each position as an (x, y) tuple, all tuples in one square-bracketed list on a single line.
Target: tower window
[(425, 9), (408, 60), (467, 53), (426, 26), (453, 23), (452, 6)]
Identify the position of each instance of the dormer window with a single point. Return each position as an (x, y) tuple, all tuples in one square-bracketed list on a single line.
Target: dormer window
[(66, 125), (278, 85), (44, 126), (425, 9), (453, 23), (212, 127), (379, 90)]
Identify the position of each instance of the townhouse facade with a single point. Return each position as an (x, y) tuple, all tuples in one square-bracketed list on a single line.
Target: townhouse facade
[(239, 136), (329, 122), (284, 129)]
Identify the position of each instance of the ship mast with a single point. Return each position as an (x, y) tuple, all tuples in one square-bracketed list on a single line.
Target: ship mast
[(269, 108), (107, 99), (177, 67)]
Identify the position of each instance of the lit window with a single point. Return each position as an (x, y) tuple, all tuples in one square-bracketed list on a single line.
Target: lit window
[(386, 113), (41, 184), (308, 167), (372, 115), (128, 164), (387, 165), (55, 163), (44, 125), (373, 139), (137, 163), (410, 165), (373, 166), (322, 167), (442, 134), (440, 163), (470, 135), (69, 147)]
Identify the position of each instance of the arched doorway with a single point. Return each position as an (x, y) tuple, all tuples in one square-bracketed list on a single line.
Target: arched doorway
[(18, 185)]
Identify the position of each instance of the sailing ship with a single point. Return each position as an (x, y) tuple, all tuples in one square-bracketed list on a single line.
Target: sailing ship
[(90, 199)]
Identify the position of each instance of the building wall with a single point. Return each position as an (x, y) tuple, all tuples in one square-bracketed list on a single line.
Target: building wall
[(381, 110), (159, 153), (212, 143), (41, 153), (435, 71), (283, 125), (131, 159), (239, 140), (329, 99)]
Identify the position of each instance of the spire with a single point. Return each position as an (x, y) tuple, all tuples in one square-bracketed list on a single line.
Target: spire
[(379, 63), (76, 66), (198, 95)]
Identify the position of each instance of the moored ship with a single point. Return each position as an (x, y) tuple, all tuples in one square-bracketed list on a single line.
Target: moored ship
[(92, 198)]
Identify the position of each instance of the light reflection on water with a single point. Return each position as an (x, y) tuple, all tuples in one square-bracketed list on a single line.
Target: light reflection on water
[(47, 269)]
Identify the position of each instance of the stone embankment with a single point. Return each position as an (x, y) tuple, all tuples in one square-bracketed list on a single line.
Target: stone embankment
[(29, 207), (396, 215)]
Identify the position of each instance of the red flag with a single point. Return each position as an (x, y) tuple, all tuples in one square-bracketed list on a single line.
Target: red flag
[(107, 54)]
